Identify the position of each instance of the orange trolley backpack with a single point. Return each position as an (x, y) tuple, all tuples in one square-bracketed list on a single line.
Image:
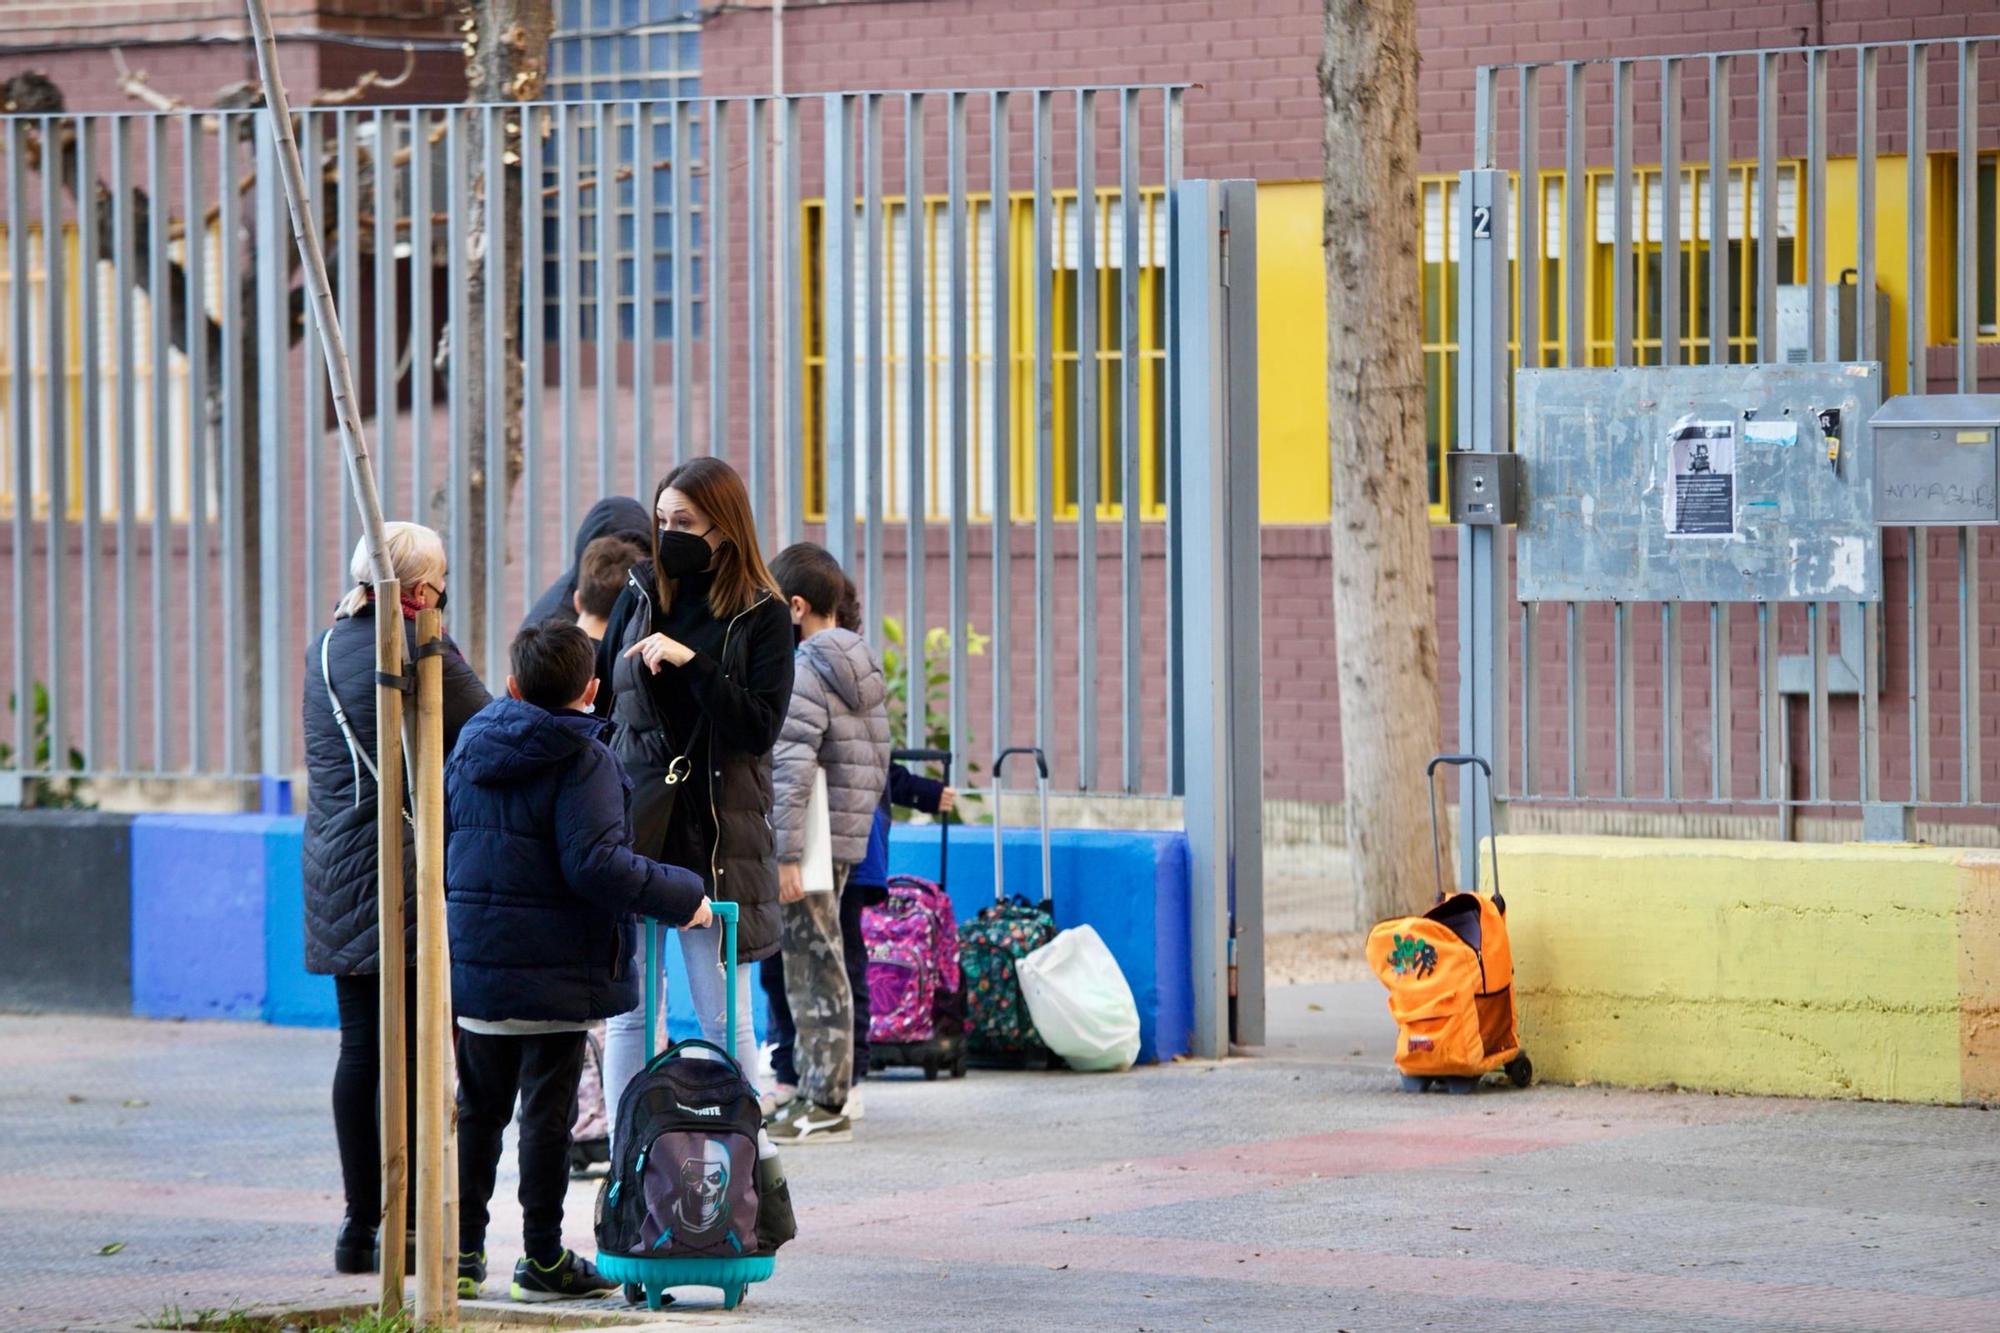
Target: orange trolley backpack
[(1450, 975)]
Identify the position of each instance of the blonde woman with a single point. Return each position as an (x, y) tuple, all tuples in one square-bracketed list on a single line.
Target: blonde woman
[(340, 850)]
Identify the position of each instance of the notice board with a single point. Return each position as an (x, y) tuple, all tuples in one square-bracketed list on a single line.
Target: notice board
[(1698, 484)]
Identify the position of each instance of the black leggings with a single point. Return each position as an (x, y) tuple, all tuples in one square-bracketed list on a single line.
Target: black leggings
[(357, 1087)]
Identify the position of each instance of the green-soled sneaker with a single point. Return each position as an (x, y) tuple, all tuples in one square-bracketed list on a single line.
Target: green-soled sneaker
[(471, 1275), (570, 1278)]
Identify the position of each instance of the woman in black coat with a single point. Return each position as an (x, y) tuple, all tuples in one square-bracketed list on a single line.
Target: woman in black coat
[(340, 854), (698, 655)]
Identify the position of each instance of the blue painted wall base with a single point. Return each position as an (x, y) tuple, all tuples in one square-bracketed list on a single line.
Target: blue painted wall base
[(1131, 886), (218, 917), (198, 912), (218, 921)]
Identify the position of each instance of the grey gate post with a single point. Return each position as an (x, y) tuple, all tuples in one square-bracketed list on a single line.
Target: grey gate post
[(837, 337), (274, 441), (1215, 257), (1483, 425)]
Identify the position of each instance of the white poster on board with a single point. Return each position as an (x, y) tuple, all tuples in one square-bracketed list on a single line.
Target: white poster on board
[(1701, 475)]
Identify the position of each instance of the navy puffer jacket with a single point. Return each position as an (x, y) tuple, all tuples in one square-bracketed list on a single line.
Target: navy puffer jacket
[(541, 881)]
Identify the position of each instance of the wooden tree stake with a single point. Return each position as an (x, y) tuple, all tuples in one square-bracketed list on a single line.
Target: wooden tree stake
[(437, 1254), (389, 936)]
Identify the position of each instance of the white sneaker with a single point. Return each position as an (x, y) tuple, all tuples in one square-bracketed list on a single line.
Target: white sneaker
[(799, 1121), (778, 1096), (853, 1108)]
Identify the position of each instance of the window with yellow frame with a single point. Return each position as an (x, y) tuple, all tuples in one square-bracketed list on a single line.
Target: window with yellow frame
[(152, 439), (1941, 294), (1019, 381), (1438, 278)]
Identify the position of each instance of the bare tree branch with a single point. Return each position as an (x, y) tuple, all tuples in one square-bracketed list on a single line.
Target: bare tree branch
[(371, 79)]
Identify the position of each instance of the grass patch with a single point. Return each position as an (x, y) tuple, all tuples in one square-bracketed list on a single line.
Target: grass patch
[(365, 1320)]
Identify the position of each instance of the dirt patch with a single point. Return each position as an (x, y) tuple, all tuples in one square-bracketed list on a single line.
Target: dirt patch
[(1304, 957)]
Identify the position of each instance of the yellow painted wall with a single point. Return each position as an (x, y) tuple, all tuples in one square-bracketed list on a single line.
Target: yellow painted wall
[(1295, 467), (1801, 970), (1892, 249)]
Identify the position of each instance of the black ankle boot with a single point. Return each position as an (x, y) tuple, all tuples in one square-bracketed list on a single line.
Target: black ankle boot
[(354, 1247)]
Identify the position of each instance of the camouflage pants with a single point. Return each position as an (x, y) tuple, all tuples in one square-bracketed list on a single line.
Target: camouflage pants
[(816, 986)]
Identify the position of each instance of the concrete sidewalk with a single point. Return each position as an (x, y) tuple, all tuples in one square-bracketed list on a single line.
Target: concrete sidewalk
[(1298, 1190)]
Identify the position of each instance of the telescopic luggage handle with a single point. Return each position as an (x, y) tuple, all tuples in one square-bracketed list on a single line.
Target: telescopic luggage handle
[(922, 757), (726, 913), (1437, 845), (944, 825), (999, 827)]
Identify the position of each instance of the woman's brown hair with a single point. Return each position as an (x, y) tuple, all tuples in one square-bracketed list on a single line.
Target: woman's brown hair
[(741, 576)]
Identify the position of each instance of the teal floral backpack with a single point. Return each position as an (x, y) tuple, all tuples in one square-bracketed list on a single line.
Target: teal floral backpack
[(996, 1015)]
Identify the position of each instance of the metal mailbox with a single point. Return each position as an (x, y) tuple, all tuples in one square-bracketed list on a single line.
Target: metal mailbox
[(1485, 489), (1936, 460)]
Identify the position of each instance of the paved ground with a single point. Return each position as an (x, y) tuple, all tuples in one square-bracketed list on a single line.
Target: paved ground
[(1299, 1190)]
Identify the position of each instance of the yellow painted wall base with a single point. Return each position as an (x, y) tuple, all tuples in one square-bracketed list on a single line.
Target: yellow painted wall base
[(1780, 968)]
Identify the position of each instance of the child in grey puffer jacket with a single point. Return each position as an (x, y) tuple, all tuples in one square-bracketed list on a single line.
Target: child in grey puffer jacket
[(838, 723)]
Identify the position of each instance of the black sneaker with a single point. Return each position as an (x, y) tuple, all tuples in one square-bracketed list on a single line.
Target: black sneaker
[(570, 1278), (471, 1275)]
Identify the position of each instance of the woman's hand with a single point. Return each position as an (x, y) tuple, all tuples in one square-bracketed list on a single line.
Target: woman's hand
[(947, 799), (703, 916), (791, 882), (657, 650)]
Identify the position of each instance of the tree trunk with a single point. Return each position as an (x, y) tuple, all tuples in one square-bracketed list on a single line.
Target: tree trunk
[(507, 45), (1383, 604)]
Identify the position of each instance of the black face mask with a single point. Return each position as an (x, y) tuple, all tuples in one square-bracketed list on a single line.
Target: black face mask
[(682, 554)]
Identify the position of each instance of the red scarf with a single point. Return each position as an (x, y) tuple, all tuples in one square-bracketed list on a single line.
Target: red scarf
[(411, 604)]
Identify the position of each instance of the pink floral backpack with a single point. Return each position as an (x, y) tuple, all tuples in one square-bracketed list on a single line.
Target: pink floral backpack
[(914, 985)]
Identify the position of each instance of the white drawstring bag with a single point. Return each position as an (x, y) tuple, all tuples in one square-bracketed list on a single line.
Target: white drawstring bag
[(1080, 1002)]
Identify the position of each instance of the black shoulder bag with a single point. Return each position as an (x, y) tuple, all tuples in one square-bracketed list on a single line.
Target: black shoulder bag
[(655, 792)]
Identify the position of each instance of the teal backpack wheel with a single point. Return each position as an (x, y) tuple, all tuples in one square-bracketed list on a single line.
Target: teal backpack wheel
[(647, 1281)]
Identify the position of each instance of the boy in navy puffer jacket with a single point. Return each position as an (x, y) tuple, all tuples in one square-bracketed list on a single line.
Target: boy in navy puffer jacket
[(541, 884)]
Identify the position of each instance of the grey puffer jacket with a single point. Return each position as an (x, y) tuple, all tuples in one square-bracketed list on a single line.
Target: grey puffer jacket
[(838, 721)]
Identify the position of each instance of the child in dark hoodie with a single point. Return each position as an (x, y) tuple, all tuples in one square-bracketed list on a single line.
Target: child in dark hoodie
[(837, 724), (613, 516), (541, 885)]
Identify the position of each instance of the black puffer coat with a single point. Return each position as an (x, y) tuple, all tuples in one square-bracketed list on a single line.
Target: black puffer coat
[(728, 702), (340, 794)]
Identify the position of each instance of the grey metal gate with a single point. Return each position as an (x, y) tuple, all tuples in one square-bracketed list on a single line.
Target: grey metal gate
[(685, 290), (892, 311), (1623, 262)]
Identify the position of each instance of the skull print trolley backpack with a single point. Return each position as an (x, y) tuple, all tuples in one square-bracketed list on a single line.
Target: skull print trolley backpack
[(1450, 974), (696, 1196)]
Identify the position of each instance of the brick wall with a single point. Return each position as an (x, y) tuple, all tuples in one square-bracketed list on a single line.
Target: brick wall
[(1255, 111), (192, 49)]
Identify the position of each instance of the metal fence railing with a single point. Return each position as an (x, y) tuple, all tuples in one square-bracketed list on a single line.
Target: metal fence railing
[(1854, 222), (971, 400)]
